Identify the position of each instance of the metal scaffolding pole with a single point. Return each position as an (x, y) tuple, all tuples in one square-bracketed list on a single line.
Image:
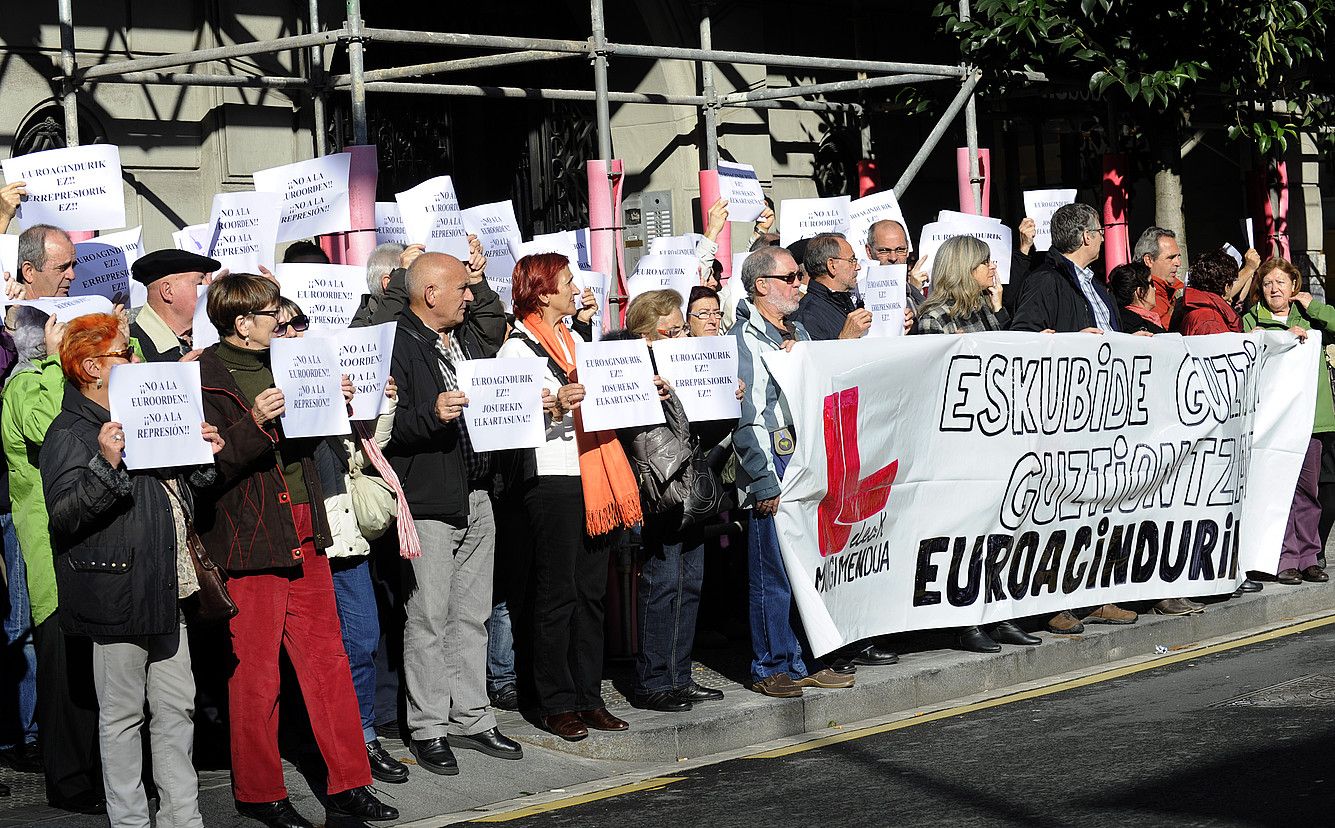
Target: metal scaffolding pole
[(531, 93), (356, 68), (317, 79), (710, 110), (191, 79), (460, 65), (69, 90), (236, 50), (780, 92), (598, 45), (971, 136), (934, 137)]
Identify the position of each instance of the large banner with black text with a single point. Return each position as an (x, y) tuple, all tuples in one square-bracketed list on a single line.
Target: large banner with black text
[(947, 481)]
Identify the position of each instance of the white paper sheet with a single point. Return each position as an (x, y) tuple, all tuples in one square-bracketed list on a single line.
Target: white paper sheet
[(314, 195), (618, 382), (203, 332), (328, 294), (865, 212), (703, 373), (739, 184), (389, 224), (995, 234), (802, 218), (307, 370), (102, 265), (364, 355), (660, 271), (883, 289), (431, 217), (504, 408), (68, 307), (1039, 205), (160, 406), (73, 188), (243, 229)]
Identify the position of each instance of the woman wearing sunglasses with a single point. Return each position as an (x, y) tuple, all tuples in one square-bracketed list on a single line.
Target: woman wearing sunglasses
[(265, 523)]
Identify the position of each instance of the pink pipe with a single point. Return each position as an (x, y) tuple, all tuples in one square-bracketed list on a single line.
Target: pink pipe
[(965, 186), (355, 247), (709, 193), (1116, 241), (605, 236)]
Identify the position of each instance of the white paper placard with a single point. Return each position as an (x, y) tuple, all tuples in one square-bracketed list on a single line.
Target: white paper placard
[(9, 254), (1039, 205), (995, 234), (66, 308), (202, 332), (102, 265), (73, 188), (389, 224), (597, 282), (573, 244), (739, 184), (618, 381), (661, 271), (431, 216), (802, 218), (865, 212), (684, 245), (328, 294), (504, 408), (882, 288), (314, 195), (160, 406), (243, 229), (955, 215), (193, 238), (703, 373), (364, 356), (496, 228), (1248, 230), (307, 371), (1233, 253)]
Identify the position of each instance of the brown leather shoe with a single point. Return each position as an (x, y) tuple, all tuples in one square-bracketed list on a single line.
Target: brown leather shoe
[(1315, 575), (566, 725), (779, 686), (600, 719), (1065, 623), (1177, 606), (1289, 577), (1111, 614), (827, 679)]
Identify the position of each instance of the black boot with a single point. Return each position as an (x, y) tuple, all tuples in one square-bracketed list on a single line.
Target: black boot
[(1008, 633), (974, 640)]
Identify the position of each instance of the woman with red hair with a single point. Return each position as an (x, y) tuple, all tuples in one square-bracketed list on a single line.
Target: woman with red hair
[(121, 543), (576, 490)]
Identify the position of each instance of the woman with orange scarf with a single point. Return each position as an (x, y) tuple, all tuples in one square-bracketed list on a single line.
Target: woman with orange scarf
[(577, 489)]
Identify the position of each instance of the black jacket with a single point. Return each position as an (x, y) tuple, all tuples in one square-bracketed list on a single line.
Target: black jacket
[(111, 530), (1051, 298), (425, 452), (823, 312), (1133, 322), (1021, 266)]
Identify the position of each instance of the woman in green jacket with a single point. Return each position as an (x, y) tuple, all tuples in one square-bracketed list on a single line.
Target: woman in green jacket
[(1280, 305)]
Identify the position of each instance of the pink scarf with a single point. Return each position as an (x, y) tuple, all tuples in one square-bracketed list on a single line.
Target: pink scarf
[(410, 546)]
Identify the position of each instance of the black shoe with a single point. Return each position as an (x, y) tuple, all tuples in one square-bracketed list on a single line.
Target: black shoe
[(89, 802), (491, 742), (385, 768), (875, 655), (434, 755), (26, 758), (1008, 633), (664, 701), (507, 698), (390, 730), (278, 814), (842, 666), (361, 804), (695, 693), (974, 640), (1248, 586)]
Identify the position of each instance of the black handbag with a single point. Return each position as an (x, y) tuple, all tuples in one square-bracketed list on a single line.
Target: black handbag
[(212, 603), (706, 493)]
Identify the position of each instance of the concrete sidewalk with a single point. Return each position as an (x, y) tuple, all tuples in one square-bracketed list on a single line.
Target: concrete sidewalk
[(928, 674)]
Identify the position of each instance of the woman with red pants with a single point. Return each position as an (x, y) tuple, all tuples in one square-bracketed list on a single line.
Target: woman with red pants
[(265, 524)]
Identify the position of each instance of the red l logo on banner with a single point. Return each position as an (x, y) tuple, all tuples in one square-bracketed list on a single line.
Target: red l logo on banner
[(849, 500)]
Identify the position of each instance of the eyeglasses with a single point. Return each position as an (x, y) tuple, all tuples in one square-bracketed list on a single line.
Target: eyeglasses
[(673, 332), (127, 355), (703, 315), (850, 259), (891, 251), (1098, 230), (790, 278), (298, 324)]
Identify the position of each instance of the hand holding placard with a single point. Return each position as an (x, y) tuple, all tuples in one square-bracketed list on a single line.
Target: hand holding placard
[(307, 372), (161, 411), (505, 404), (703, 372), (618, 380)]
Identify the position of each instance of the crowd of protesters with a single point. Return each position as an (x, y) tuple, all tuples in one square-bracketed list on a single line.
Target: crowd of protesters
[(493, 589)]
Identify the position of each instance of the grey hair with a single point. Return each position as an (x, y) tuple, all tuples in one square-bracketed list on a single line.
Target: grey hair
[(871, 231), (29, 331), (383, 260), (759, 263), (820, 249), (1069, 224), (32, 245), (953, 285), (1148, 243)]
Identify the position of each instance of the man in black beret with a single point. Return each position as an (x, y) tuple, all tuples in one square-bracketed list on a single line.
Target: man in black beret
[(163, 326)]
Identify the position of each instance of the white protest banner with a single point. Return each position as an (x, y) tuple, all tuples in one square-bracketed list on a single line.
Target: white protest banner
[(597, 282), (314, 195), (431, 216), (703, 373), (364, 355), (504, 408), (243, 229), (9, 254), (1039, 205), (683, 245), (802, 218), (618, 381), (194, 238), (389, 224), (203, 333), (328, 294), (496, 228), (66, 308), (949, 481), (73, 188), (662, 271), (739, 184), (866, 211), (996, 235), (102, 265), (161, 409), (883, 288), (307, 371)]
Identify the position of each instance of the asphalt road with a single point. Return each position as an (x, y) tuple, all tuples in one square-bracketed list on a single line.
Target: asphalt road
[(1171, 746)]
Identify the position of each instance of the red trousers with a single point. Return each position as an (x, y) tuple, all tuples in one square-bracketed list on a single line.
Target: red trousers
[(293, 611)]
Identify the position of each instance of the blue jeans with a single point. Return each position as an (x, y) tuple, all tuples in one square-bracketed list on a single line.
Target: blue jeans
[(19, 657), (360, 621), (774, 641), (500, 649), (672, 570)]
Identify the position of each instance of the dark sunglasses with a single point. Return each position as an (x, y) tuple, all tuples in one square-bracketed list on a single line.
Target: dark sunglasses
[(298, 324), (790, 278), (127, 355)]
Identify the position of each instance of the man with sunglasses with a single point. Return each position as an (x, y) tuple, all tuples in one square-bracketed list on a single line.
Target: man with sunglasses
[(164, 325)]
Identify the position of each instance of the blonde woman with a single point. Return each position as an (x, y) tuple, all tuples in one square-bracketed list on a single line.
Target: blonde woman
[(966, 296)]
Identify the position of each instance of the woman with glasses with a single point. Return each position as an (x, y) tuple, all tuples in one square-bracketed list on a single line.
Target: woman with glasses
[(704, 315), (966, 298), (265, 523), (121, 541)]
